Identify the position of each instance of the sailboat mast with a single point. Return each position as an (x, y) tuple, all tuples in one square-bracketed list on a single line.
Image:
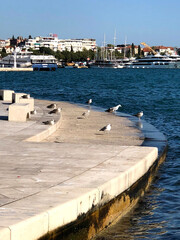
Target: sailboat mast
[(114, 43), (125, 46), (105, 48)]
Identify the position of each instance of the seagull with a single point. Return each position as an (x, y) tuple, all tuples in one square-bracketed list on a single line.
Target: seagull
[(53, 105), (51, 122), (86, 114), (113, 109), (89, 101), (57, 110), (27, 96), (139, 114), (34, 112), (107, 128)]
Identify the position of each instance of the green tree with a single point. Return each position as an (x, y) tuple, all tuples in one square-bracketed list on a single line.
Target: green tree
[(139, 51), (132, 48), (3, 53)]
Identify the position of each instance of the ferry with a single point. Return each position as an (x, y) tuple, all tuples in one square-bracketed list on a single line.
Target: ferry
[(24, 59), (44, 63)]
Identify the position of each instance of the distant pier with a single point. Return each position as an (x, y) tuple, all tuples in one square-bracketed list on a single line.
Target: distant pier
[(16, 69)]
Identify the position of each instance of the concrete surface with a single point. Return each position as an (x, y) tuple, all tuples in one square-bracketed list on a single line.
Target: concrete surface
[(52, 174), (16, 69)]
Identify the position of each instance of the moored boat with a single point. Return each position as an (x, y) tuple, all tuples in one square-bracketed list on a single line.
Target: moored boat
[(154, 61)]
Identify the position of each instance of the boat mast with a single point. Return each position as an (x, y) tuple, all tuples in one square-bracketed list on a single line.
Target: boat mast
[(125, 47), (15, 63), (105, 48), (114, 43)]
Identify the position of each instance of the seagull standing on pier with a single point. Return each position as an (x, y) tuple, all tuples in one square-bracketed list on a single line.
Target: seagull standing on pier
[(51, 122), (34, 112), (113, 109), (86, 114), (56, 110), (89, 101), (106, 128), (139, 114), (53, 105), (27, 96)]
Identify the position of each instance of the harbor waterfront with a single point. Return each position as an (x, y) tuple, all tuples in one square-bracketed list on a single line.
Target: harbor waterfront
[(154, 92)]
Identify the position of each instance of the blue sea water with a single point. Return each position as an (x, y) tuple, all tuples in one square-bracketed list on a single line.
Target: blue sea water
[(157, 93)]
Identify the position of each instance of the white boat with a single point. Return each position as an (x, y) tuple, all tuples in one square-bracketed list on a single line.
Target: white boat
[(43, 63), (24, 59), (155, 61)]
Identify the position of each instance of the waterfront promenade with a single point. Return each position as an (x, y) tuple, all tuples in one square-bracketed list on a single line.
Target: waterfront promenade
[(8, 69), (52, 175)]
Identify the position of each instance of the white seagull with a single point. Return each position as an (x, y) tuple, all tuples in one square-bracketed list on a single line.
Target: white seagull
[(57, 110), (86, 114), (26, 96), (113, 109), (139, 114), (53, 105), (51, 122), (106, 128), (34, 112), (89, 101)]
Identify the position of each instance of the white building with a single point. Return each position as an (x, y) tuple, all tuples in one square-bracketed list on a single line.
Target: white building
[(70, 44), (4, 44), (89, 44), (55, 44), (76, 44), (37, 42)]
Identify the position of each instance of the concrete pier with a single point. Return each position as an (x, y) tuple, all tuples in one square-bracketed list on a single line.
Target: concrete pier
[(8, 69), (52, 176)]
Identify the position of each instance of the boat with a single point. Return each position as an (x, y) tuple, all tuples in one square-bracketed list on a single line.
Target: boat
[(24, 59), (155, 61), (44, 63), (103, 64)]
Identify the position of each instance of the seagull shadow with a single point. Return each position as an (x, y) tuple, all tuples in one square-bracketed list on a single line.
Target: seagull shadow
[(6, 103), (99, 134), (80, 117)]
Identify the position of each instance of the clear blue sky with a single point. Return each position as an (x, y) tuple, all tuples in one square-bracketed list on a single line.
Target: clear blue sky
[(155, 22)]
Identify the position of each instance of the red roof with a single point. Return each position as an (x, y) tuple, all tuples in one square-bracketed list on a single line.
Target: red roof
[(163, 47), (146, 49)]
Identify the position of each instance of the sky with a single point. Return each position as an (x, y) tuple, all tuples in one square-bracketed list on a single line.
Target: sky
[(155, 22)]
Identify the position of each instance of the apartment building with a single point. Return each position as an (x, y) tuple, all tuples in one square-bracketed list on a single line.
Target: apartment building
[(55, 44), (37, 42), (4, 44), (69, 45)]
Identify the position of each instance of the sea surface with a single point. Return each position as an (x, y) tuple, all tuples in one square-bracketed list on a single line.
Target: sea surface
[(157, 93)]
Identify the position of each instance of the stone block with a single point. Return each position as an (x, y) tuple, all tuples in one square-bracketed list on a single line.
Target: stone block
[(6, 95), (16, 97), (5, 233), (18, 112), (30, 101)]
